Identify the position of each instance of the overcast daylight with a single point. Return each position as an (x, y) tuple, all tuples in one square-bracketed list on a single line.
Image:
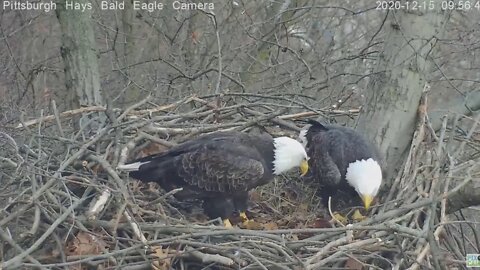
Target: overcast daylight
[(238, 134)]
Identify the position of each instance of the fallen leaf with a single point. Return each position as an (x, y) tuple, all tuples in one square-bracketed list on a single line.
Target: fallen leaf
[(195, 37), (303, 207), (321, 223), (293, 237), (353, 264), (151, 149), (251, 225), (270, 226), (86, 244), (255, 196), (164, 261)]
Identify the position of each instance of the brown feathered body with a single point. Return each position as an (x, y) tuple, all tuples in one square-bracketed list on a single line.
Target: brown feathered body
[(219, 168)]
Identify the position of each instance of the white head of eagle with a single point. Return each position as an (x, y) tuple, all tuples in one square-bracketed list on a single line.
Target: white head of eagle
[(288, 154), (366, 177)]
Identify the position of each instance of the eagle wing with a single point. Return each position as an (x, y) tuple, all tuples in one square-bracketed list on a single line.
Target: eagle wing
[(221, 166), (323, 166)]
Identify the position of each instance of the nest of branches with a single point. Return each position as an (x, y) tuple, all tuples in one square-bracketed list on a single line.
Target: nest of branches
[(65, 206)]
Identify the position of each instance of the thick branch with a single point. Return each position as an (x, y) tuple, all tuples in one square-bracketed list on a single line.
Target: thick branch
[(465, 197), (460, 105)]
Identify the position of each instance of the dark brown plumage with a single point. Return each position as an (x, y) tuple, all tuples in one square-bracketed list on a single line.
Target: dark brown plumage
[(219, 168), (335, 151)]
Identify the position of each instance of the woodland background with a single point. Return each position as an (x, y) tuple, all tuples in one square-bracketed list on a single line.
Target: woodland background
[(406, 79)]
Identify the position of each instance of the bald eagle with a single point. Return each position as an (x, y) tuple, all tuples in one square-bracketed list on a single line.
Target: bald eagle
[(220, 168), (342, 159)]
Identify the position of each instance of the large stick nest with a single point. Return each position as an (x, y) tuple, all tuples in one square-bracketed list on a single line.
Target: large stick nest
[(66, 207)]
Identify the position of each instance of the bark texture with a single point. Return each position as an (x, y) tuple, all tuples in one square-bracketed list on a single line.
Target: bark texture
[(465, 197), (389, 115), (79, 54), (459, 104)]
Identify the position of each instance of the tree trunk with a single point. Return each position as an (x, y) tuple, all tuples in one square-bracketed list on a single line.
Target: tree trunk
[(82, 78), (389, 115), (132, 54), (465, 197), (459, 104), (79, 55)]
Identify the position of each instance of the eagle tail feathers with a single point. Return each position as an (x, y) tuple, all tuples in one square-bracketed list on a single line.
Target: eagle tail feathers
[(131, 167), (315, 125)]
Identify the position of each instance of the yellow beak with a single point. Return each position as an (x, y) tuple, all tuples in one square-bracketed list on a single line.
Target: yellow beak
[(367, 201), (303, 167)]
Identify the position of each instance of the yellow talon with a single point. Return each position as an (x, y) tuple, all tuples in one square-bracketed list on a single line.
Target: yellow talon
[(243, 215), (227, 223), (357, 216), (340, 218), (245, 220)]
